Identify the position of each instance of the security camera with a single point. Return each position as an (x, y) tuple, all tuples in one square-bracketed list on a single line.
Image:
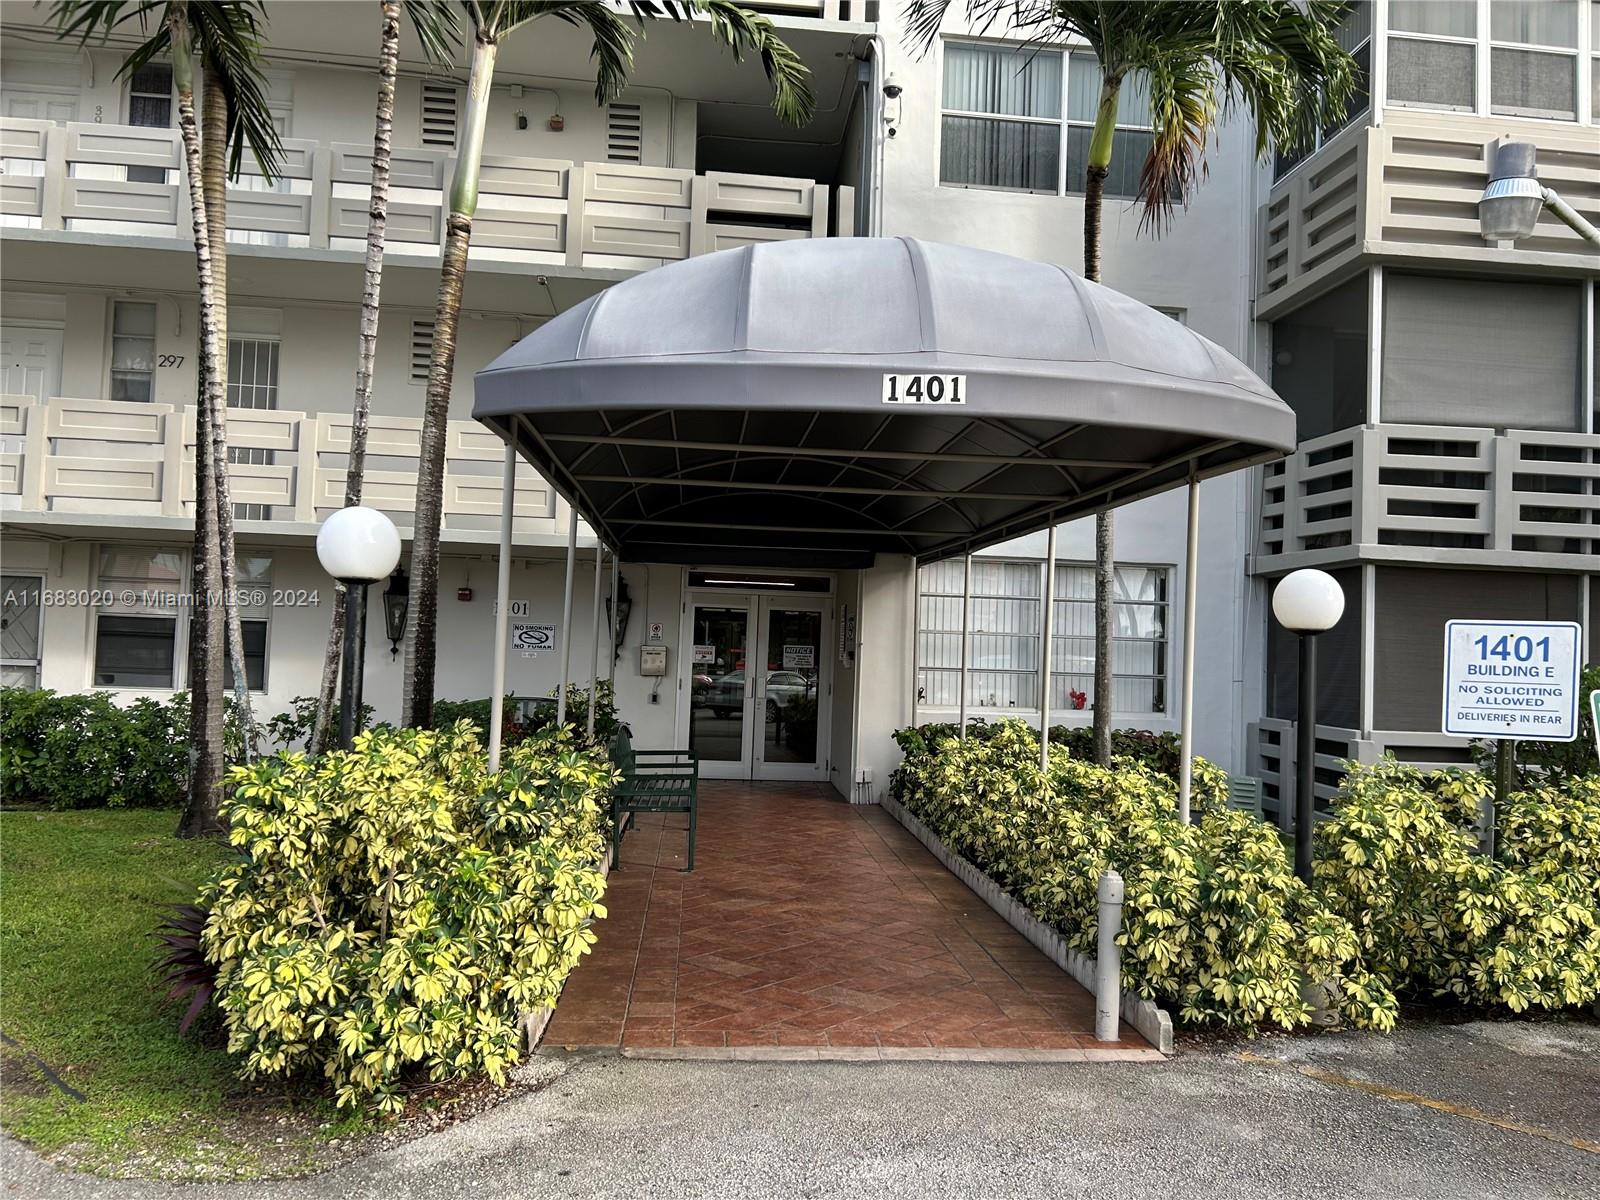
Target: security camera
[(892, 88)]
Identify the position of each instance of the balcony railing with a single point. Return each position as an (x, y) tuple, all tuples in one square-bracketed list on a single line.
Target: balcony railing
[(82, 461), (128, 180), (1427, 492), (1272, 747), (1408, 190)]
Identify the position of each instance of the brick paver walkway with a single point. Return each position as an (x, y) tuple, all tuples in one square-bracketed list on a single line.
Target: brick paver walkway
[(808, 922)]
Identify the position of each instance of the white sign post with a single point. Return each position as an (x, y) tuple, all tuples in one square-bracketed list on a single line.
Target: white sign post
[(1509, 681)]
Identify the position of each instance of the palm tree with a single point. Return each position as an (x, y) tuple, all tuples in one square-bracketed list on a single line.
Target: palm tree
[(438, 27), (739, 29), (226, 38), (1280, 59)]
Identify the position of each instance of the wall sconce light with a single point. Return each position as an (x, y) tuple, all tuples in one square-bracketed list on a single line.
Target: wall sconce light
[(620, 614), (396, 603)]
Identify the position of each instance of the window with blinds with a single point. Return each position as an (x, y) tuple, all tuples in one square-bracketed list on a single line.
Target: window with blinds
[(139, 641), (133, 350), (1534, 65), (1533, 58), (1491, 353), (1433, 53), (1004, 632), (1130, 144), (1020, 119)]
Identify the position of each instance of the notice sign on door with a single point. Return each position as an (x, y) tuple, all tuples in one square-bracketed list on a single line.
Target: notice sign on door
[(705, 654), (533, 639), (799, 658), (1511, 679)]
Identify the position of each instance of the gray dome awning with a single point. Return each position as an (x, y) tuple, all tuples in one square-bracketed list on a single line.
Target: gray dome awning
[(736, 409)]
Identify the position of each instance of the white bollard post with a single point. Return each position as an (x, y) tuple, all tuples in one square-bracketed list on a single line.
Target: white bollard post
[(1108, 960)]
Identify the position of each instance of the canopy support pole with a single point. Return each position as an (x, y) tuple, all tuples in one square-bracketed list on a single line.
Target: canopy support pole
[(502, 605), (1049, 638), (966, 604), (611, 633), (566, 615), (594, 654), (1191, 589)]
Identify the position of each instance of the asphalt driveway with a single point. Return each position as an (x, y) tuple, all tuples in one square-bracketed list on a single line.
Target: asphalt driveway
[(1506, 1110)]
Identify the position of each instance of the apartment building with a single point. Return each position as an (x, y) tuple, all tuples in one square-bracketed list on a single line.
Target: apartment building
[(1353, 279)]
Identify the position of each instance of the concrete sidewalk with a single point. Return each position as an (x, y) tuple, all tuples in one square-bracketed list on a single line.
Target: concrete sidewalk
[(1483, 1110)]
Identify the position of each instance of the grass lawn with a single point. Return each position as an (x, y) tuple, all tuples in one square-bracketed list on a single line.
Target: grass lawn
[(80, 894)]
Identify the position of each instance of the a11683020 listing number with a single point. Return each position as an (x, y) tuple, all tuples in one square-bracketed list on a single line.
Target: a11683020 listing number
[(245, 597)]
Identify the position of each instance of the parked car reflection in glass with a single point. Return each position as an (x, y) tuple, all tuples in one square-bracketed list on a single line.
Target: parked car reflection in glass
[(724, 695)]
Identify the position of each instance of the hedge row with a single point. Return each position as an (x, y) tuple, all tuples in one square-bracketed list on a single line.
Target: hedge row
[(86, 751), (1215, 925)]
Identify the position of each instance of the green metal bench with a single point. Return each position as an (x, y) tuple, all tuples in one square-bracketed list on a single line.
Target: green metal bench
[(663, 781)]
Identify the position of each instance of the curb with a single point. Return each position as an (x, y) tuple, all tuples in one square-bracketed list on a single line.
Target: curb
[(1154, 1023), (882, 1054)]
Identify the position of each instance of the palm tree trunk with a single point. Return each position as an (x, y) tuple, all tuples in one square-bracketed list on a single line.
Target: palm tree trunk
[(424, 599), (207, 755), (1099, 166), (377, 223), (214, 187)]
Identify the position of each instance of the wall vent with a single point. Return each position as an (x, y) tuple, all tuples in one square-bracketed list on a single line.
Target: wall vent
[(421, 350), (439, 104), (624, 133)]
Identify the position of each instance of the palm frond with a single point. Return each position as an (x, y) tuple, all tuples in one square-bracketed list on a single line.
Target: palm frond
[(743, 32), (1183, 107), (438, 27), (104, 17), (228, 36), (227, 33), (1279, 60), (1021, 19)]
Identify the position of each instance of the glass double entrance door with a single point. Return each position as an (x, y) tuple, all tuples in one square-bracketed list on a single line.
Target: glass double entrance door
[(758, 686)]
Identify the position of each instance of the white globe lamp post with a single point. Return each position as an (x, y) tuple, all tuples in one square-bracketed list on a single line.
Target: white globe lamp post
[(357, 546), (1306, 602)]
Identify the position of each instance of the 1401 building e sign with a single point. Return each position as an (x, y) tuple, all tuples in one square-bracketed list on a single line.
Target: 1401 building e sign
[(1512, 679)]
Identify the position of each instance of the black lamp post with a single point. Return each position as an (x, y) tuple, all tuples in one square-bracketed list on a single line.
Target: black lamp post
[(1307, 603), (357, 546), (396, 603)]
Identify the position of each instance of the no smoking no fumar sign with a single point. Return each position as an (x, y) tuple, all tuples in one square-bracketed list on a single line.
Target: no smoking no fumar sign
[(1512, 679)]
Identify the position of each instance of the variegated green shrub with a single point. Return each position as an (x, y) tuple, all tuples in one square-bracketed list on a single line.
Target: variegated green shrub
[(1214, 924), (395, 908), (1436, 918)]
